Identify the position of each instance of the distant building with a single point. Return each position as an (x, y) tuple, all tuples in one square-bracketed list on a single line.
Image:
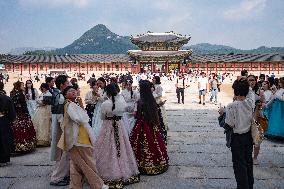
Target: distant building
[(159, 52)]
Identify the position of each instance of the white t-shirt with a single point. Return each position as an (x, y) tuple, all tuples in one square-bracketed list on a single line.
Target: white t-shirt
[(203, 83)]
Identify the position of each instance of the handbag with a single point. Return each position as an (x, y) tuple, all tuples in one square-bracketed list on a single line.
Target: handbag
[(263, 121)]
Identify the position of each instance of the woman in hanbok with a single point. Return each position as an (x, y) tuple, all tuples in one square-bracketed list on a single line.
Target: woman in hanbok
[(266, 91), (274, 111), (23, 129), (158, 93), (114, 156), (31, 95), (101, 97), (91, 100), (130, 98), (42, 117), (146, 138)]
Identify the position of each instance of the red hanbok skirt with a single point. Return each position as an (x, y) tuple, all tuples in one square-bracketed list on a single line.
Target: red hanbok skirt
[(24, 133), (149, 148)]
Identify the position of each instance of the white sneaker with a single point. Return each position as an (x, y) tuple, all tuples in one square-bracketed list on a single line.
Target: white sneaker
[(105, 187)]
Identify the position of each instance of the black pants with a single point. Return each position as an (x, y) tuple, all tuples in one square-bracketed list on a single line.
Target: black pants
[(180, 91), (242, 147), (6, 140)]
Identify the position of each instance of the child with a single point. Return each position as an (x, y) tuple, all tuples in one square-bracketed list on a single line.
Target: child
[(78, 140), (239, 116)]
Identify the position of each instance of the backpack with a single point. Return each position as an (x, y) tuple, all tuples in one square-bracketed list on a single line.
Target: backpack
[(53, 100)]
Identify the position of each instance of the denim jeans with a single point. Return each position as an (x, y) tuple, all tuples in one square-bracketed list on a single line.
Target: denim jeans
[(214, 94)]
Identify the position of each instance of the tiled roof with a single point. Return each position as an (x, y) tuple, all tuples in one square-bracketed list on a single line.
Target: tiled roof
[(160, 37), (108, 58), (202, 58), (74, 58), (159, 53)]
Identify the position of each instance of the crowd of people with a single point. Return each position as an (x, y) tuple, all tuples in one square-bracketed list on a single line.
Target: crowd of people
[(257, 100), (111, 137), (118, 130)]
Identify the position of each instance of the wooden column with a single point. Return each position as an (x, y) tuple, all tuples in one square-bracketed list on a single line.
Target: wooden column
[(269, 67), (96, 65), (225, 67), (234, 67), (120, 66), (36, 68), (278, 67), (21, 68), (167, 67), (70, 65), (13, 67), (87, 67), (104, 66), (46, 67), (79, 67), (207, 64), (29, 68), (62, 66), (216, 67)]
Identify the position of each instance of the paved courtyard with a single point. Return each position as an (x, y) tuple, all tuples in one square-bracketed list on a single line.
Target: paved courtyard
[(197, 151)]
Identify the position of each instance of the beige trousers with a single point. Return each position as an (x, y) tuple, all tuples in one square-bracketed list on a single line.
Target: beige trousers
[(61, 168), (83, 163)]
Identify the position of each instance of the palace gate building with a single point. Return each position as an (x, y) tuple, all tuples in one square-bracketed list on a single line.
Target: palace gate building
[(159, 52)]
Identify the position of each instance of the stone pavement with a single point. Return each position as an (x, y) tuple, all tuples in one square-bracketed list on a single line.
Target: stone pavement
[(197, 151)]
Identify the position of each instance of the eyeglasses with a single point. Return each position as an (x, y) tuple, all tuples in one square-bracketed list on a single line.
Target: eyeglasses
[(251, 80)]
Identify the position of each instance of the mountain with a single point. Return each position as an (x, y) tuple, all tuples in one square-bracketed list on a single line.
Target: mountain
[(98, 40), (22, 50), (207, 48)]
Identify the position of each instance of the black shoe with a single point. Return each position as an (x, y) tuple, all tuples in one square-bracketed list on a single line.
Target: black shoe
[(67, 178), (203, 103), (183, 102), (199, 102), (60, 183)]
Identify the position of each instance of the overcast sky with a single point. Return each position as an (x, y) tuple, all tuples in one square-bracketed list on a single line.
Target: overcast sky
[(241, 24)]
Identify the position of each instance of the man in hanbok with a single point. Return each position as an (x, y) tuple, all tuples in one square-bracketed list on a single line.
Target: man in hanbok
[(60, 174), (77, 138)]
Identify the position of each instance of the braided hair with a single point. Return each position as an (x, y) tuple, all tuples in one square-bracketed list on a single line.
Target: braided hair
[(111, 90)]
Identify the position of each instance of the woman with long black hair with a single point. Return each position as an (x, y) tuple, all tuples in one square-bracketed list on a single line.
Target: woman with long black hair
[(130, 96), (42, 117), (23, 129), (146, 138), (115, 159), (32, 96), (259, 99), (158, 95), (101, 97)]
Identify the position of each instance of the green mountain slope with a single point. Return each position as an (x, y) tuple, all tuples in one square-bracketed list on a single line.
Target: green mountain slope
[(98, 40)]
